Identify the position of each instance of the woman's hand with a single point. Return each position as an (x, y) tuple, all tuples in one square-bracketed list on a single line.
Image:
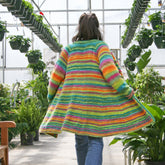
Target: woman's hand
[(131, 94)]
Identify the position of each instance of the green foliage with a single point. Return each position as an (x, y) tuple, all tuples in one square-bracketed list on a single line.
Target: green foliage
[(149, 86), (28, 5), (20, 39), (26, 41), (6, 111), (29, 113), (143, 61), (38, 67), (144, 34), (36, 53), (15, 38), (39, 18), (147, 143), (155, 16), (160, 31), (129, 64), (128, 20), (39, 88), (133, 52), (3, 27), (4, 90), (47, 27)]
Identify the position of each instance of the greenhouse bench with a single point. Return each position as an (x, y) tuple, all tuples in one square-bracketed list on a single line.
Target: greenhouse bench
[(4, 125)]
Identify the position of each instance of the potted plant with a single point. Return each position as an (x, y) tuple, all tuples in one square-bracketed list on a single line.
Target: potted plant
[(133, 52), (155, 19), (29, 113), (129, 64), (33, 56), (9, 3), (37, 67), (39, 88), (159, 37), (15, 41), (149, 86), (38, 23), (147, 144), (144, 38), (15, 6), (3, 30), (28, 10), (25, 45)]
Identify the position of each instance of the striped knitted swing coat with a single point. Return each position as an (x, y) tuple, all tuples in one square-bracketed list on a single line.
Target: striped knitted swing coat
[(88, 94)]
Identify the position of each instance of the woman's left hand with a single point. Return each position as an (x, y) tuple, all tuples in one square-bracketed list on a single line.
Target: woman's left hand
[(131, 94)]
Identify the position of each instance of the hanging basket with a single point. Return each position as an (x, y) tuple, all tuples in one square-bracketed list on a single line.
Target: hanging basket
[(8, 3), (159, 42), (29, 22), (27, 17), (154, 23), (1, 35), (24, 48), (26, 138), (15, 44), (33, 59), (145, 43), (15, 7), (17, 11)]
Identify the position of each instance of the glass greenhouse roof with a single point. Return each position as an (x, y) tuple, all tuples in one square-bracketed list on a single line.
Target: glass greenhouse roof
[(63, 16)]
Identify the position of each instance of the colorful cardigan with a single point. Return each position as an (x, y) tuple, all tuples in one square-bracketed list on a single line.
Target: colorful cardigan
[(88, 94)]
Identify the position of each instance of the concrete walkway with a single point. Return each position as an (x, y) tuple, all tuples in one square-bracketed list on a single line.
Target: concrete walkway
[(60, 151)]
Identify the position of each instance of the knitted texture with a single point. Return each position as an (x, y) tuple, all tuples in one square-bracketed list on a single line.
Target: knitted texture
[(88, 94)]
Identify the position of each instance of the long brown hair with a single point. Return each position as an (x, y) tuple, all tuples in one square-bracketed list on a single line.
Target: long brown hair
[(88, 28)]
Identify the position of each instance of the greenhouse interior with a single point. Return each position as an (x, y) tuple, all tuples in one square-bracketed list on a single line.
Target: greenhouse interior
[(133, 30)]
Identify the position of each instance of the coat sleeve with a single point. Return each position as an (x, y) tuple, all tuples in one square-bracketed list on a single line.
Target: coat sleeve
[(111, 72), (57, 75)]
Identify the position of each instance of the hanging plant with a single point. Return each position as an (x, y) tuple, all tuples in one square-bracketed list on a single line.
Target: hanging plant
[(155, 19), (3, 30), (15, 41), (28, 10), (7, 2), (133, 52), (33, 56), (144, 38), (25, 45), (15, 6), (38, 67), (159, 37), (129, 64)]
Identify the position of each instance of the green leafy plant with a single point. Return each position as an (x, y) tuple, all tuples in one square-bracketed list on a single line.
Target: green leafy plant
[(149, 86), (39, 88), (133, 52), (25, 45), (3, 27), (143, 61), (6, 112), (34, 55), (155, 16), (29, 113), (37, 67), (15, 41), (39, 18), (144, 38), (28, 5), (15, 38), (159, 36), (148, 143), (47, 27), (129, 64)]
